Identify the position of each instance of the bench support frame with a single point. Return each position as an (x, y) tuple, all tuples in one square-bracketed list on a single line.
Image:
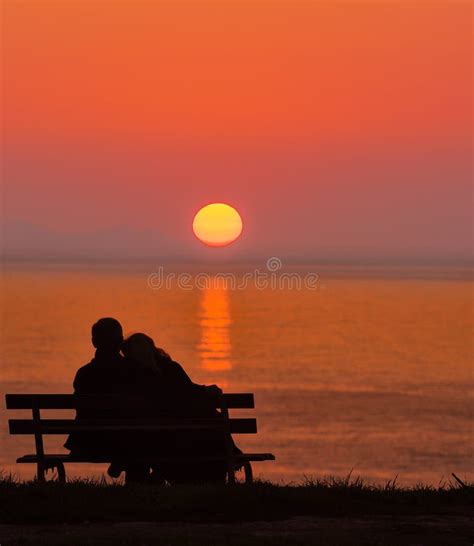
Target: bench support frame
[(39, 427), (41, 470)]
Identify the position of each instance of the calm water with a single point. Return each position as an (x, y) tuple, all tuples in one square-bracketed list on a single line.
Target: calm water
[(368, 372)]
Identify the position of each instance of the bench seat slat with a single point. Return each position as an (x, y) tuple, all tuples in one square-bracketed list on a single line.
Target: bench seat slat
[(66, 426), (71, 401), (64, 458)]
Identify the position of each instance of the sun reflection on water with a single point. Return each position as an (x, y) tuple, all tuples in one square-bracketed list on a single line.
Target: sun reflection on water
[(214, 320)]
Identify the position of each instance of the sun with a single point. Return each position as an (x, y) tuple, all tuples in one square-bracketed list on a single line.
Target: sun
[(217, 224)]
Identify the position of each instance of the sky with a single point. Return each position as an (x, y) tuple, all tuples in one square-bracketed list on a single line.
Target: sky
[(339, 130)]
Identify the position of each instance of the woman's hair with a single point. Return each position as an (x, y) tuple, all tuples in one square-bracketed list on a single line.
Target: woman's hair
[(141, 348)]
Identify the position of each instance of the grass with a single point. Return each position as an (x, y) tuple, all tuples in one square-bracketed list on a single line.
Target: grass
[(79, 501)]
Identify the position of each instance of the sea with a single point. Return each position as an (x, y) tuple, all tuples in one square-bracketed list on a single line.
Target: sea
[(361, 371)]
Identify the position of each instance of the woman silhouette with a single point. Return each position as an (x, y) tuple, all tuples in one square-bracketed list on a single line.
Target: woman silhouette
[(159, 376)]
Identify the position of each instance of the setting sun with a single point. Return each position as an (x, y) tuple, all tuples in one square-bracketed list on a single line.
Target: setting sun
[(217, 224)]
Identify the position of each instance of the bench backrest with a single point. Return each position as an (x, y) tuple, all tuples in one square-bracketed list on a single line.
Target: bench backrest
[(39, 426), (106, 401)]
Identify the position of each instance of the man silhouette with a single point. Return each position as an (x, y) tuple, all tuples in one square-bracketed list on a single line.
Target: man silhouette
[(107, 370), (107, 373)]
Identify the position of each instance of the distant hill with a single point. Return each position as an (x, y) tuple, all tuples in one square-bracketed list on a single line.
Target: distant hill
[(22, 240)]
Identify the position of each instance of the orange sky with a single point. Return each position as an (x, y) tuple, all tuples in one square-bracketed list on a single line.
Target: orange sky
[(145, 106)]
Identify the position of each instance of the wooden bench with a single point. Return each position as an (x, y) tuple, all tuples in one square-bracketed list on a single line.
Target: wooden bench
[(39, 427)]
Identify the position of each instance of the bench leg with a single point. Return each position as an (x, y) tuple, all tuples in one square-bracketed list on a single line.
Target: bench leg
[(61, 472), (248, 472), (40, 472), (231, 474), (44, 467)]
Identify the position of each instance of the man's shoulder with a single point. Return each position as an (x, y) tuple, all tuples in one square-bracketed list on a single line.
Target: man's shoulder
[(85, 370), (127, 366), (124, 360), (83, 378), (83, 373), (123, 372)]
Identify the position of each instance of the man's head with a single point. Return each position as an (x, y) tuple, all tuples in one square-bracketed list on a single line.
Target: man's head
[(107, 335)]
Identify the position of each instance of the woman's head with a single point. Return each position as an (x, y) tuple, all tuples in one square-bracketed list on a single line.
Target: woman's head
[(141, 348)]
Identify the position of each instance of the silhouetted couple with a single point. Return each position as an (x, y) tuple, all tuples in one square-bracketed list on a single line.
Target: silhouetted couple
[(135, 366)]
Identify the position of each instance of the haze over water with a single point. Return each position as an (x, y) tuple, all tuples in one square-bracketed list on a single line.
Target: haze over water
[(371, 372)]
